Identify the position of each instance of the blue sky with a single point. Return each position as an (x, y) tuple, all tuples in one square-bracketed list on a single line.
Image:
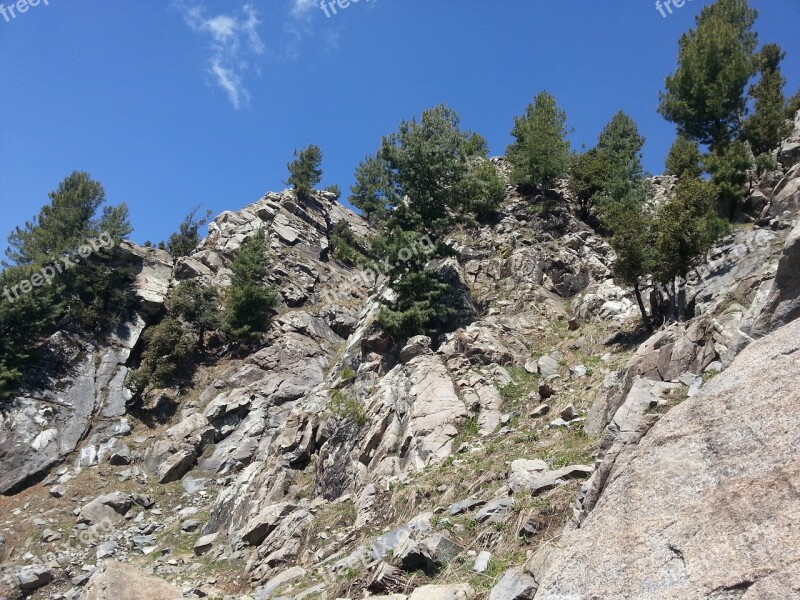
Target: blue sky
[(175, 104)]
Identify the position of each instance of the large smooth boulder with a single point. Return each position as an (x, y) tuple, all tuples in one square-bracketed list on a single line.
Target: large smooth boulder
[(706, 505), (118, 581)]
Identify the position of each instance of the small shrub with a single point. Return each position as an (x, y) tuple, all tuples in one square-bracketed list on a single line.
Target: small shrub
[(347, 407)]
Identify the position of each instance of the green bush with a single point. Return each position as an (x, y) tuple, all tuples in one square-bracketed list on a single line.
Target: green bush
[(345, 407), (167, 359)]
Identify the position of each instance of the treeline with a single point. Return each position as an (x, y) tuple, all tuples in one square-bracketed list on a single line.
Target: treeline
[(426, 180)]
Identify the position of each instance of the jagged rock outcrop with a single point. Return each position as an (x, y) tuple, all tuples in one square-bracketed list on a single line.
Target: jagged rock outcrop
[(703, 508), (779, 303)]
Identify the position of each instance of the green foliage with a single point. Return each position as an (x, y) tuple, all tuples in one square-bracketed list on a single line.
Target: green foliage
[(521, 386), (185, 240), (249, 300), (22, 322), (427, 178), (540, 153), (347, 247), (334, 189), (347, 407), (767, 126), (305, 172), (373, 193), (611, 172), (686, 228), (419, 306), (621, 142), (167, 358), (84, 280), (589, 173), (98, 293), (792, 106), (347, 374), (729, 165), (765, 162), (685, 159), (67, 222), (430, 166), (634, 232), (704, 97), (197, 305)]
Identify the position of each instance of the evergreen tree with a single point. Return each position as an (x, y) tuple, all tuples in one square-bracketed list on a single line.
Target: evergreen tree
[(685, 159), (198, 306), (23, 321), (373, 193), (249, 300), (67, 222), (729, 165), (427, 178), (305, 172), (540, 154), (167, 360), (430, 170), (634, 232), (686, 228), (767, 127), (334, 189), (705, 95), (589, 175), (67, 234), (186, 239), (622, 144)]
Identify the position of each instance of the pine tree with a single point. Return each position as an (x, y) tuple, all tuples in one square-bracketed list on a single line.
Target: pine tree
[(634, 233), (427, 178), (767, 127), (705, 96), (373, 193), (729, 165), (621, 142), (249, 300), (305, 172), (589, 176), (686, 228), (197, 305), (792, 106), (67, 222), (186, 239), (540, 154), (685, 159)]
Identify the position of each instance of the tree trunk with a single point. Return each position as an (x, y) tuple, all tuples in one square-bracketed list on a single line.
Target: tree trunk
[(640, 302), (680, 298)]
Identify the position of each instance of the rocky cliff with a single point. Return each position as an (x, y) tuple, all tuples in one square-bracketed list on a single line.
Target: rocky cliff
[(545, 448)]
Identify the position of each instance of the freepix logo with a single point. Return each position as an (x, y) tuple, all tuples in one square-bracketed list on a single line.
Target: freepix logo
[(329, 7), (19, 7), (48, 273), (667, 5)]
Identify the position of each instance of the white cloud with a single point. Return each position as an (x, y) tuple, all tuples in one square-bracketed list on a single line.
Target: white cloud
[(300, 8), (235, 41)]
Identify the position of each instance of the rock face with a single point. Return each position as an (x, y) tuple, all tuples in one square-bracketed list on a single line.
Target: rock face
[(704, 507), (780, 304), (45, 425)]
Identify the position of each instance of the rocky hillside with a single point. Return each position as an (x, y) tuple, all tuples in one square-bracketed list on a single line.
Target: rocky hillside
[(547, 448)]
